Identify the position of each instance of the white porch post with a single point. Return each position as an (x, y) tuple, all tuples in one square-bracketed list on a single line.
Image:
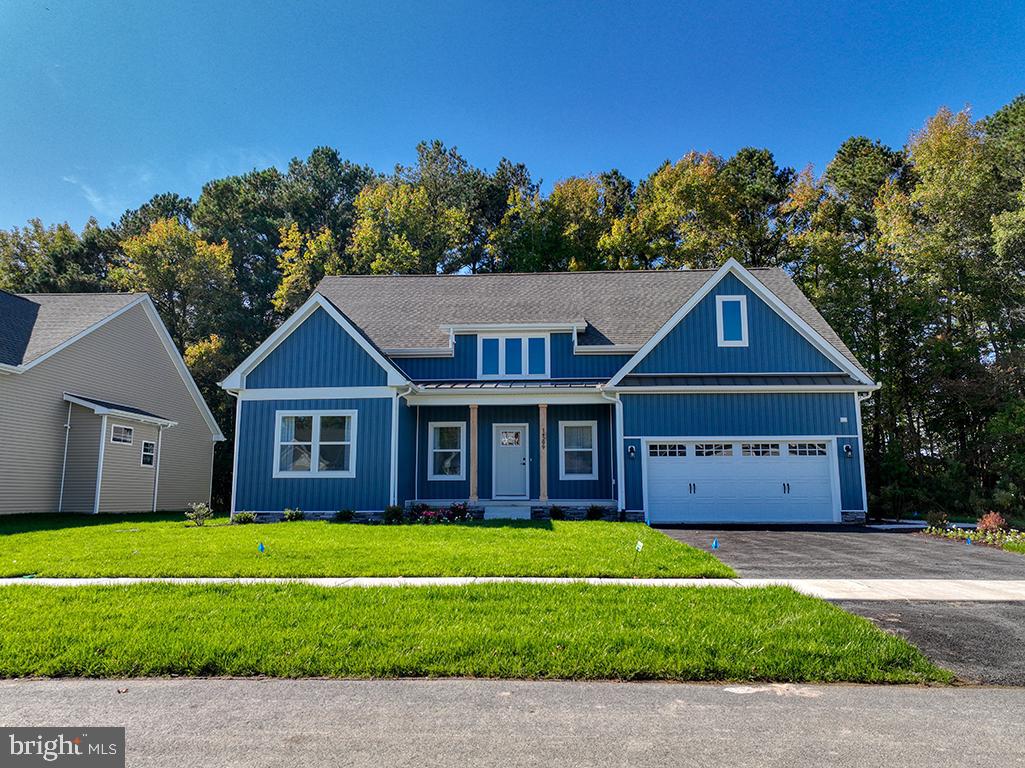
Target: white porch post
[(542, 411), (473, 452)]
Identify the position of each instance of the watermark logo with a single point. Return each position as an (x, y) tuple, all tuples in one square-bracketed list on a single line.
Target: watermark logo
[(72, 747)]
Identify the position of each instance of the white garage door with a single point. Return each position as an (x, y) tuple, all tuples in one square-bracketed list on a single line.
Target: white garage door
[(734, 481)]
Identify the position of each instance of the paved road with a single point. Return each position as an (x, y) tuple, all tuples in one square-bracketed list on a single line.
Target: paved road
[(448, 723), (980, 642), (851, 552)]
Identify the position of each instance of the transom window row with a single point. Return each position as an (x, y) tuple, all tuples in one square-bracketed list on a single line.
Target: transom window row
[(513, 356)]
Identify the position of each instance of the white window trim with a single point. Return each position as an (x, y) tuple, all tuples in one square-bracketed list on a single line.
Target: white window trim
[(131, 434), (432, 448), (719, 301), (562, 450), (142, 455), (313, 472), (524, 353)]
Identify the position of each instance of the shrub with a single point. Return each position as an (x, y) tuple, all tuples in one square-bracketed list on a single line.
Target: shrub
[(557, 513), (936, 518), (595, 512), (393, 514), (991, 522), (293, 515), (243, 518), (344, 516), (459, 511), (199, 513)]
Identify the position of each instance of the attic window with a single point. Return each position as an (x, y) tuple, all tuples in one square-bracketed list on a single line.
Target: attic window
[(731, 321), (512, 357)]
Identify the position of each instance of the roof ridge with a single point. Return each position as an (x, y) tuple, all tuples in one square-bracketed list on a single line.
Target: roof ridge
[(560, 272), (80, 293)]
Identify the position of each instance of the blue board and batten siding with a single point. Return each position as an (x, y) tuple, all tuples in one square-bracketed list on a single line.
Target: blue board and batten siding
[(256, 488), (774, 346), (319, 353)]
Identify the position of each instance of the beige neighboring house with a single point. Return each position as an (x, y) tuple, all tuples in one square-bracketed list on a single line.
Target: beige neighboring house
[(98, 412)]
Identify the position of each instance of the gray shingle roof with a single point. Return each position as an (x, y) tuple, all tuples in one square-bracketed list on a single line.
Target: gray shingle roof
[(116, 406), (31, 324), (625, 308)]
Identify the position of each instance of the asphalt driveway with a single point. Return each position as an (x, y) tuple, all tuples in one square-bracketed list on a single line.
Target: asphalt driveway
[(979, 642), (850, 552)]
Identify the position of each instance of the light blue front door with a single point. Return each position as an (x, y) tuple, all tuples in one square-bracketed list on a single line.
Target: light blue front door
[(510, 470)]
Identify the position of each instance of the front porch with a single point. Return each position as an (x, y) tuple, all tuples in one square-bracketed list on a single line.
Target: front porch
[(531, 456)]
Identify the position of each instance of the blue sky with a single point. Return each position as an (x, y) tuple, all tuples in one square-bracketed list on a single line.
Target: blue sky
[(104, 104)]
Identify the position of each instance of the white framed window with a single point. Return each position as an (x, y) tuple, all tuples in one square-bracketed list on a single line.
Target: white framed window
[(731, 321), (513, 356), (149, 454), (759, 449), (446, 452), (315, 444), (713, 449), (121, 435), (806, 449), (578, 454), (667, 449)]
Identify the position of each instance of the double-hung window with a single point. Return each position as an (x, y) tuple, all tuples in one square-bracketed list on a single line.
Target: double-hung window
[(315, 444), (578, 457), (149, 453), (447, 450), (731, 321), (512, 357)]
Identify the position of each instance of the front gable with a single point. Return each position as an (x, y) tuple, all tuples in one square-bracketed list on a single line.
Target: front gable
[(314, 348), (318, 353), (734, 324), (772, 344)]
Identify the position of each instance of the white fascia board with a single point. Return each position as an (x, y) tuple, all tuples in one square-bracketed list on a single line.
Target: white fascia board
[(235, 381), (770, 298), (420, 352), (573, 326), (183, 370), (101, 410), (315, 393), (740, 389), (604, 349)]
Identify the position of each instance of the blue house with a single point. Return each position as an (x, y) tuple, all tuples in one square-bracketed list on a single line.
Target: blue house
[(670, 396)]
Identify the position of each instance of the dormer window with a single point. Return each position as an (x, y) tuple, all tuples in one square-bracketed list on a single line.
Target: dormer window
[(731, 320), (505, 356)]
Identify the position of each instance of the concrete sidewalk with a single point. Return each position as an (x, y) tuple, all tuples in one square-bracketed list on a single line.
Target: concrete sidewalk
[(934, 590)]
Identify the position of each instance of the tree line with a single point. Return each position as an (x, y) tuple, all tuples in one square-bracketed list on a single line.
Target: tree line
[(915, 255)]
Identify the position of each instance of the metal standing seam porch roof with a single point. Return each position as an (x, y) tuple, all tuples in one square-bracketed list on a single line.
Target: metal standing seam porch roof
[(623, 308)]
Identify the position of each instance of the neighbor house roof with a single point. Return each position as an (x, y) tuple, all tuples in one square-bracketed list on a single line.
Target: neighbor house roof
[(31, 324), (117, 409), (624, 308)]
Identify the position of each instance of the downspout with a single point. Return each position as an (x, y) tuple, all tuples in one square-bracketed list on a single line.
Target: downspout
[(99, 464), (861, 398), (64, 464), (393, 493), (620, 475), (156, 466)]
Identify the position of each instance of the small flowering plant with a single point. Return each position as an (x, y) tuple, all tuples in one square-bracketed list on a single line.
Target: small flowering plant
[(997, 537)]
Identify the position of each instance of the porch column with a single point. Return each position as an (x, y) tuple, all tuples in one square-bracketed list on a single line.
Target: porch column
[(542, 409), (473, 452)]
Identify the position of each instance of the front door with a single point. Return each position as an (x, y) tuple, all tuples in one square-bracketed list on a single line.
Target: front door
[(510, 468)]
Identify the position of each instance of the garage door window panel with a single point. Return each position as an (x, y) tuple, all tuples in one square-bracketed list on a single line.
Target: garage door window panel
[(703, 450)]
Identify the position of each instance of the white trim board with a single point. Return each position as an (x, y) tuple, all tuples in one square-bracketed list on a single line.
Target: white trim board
[(762, 292), (316, 393), (236, 379)]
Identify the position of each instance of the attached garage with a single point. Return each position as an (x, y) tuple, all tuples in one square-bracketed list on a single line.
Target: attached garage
[(741, 480)]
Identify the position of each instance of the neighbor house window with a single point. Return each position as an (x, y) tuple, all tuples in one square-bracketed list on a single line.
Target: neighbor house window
[(447, 450), (578, 459), (731, 320), (315, 444), (119, 434), (149, 453), (512, 357)]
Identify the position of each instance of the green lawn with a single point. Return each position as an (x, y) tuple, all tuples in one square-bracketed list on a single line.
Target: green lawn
[(164, 545), (490, 630)]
